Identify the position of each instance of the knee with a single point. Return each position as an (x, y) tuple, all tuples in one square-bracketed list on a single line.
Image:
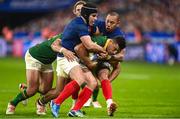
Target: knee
[(43, 91), (31, 91), (102, 75), (81, 79), (93, 84)]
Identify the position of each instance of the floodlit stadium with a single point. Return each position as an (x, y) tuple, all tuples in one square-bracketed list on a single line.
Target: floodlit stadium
[(89, 59)]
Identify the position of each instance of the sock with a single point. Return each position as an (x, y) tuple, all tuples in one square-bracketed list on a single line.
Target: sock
[(107, 89), (83, 85), (83, 97), (42, 101), (21, 96), (75, 95), (68, 90), (95, 94), (108, 102)]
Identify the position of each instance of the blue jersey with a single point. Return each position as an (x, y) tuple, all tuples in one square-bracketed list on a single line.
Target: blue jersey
[(102, 28), (72, 33)]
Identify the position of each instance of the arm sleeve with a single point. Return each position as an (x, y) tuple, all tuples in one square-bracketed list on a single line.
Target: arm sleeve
[(119, 33), (82, 30)]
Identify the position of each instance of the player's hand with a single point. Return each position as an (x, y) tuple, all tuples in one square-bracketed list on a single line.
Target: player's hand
[(102, 56), (69, 55)]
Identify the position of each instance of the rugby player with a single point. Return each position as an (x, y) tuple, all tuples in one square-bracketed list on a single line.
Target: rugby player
[(76, 32), (39, 71)]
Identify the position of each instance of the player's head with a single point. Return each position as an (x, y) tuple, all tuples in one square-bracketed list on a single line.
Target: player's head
[(115, 45), (77, 7), (112, 21), (89, 13)]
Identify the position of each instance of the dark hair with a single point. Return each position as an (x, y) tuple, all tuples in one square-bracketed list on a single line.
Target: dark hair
[(120, 40), (87, 10)]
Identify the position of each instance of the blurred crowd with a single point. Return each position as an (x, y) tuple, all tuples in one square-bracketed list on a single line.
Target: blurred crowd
[(136, 16)]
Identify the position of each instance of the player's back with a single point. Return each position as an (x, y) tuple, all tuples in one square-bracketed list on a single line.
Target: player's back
[(72, 33)]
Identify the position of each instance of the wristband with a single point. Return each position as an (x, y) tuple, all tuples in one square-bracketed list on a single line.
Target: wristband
[(61, 49)]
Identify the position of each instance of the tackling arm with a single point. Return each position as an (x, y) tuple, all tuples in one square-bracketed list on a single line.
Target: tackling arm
[(119, 56), (87, 42), (58, 48), (115, 72), (83, 54)]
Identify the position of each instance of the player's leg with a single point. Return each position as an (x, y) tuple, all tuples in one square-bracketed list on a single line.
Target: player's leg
[(61, 81), (83, 54), (75, 97), (32, 88), (54, 92), (33, 68), (45, 84), (22, 87), (95, 102), (75, 72), (85, 94), (107, 90)]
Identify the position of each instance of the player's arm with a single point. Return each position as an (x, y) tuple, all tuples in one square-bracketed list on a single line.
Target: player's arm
[(83, 55), (58, 48), (115, 72), (121, 42), (91, 46), (119, 56)]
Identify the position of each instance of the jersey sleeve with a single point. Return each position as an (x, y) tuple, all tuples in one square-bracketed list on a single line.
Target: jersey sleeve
[(119, 33), (82, 30)]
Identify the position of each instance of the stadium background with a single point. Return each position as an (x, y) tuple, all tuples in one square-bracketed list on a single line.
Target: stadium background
[(150, 80)]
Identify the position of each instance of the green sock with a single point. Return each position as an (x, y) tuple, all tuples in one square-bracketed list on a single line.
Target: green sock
[(21, 96), (83, 85), (42, 100), (95, 94)]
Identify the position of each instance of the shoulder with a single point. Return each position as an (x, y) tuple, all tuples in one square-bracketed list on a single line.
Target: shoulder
[(118, 32), (78, 20), (99, 22)]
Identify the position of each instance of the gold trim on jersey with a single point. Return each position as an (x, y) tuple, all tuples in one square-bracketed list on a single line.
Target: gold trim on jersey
[(106, 44)]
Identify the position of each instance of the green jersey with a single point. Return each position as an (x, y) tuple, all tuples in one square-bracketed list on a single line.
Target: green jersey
[(43, 51), (100, 40)]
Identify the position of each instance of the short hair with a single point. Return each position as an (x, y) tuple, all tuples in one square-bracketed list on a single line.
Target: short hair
[(120, 40), (79, 3), (113, 13)]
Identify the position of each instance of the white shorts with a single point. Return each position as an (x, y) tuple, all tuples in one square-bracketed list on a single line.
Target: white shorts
[(64, 66), (32, 63)]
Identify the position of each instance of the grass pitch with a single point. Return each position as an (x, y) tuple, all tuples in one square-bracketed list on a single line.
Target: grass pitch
[(142, 90)]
